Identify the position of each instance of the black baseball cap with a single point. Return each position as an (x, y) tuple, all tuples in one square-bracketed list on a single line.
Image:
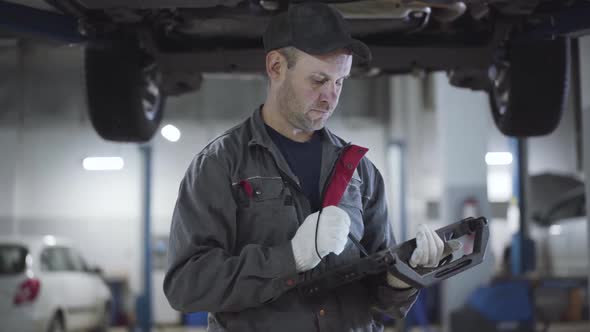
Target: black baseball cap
[(314, 28)]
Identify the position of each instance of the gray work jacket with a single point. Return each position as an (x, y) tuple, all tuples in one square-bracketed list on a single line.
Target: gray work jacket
[(230, 250)]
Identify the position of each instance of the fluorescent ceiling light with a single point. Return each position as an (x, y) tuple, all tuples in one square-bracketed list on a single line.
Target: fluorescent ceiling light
[(103, 163), (555, 230), (499, 186), (498, 158), (49, 240), (170, 133)]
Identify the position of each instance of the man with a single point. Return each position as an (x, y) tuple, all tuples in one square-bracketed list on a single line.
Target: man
[(250, 223)]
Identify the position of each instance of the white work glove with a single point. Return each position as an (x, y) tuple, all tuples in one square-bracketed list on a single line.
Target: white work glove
[(332, 237), (428, 253)]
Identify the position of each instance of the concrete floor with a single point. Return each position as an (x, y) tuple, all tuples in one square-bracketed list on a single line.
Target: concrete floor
[(569, 327)]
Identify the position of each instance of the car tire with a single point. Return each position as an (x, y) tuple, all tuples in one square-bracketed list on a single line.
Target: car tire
[(529, 91), (123, 82), (105, 320), (57, 324)]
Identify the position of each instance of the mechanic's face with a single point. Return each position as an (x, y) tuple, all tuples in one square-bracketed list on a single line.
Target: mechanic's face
[(310, 90)]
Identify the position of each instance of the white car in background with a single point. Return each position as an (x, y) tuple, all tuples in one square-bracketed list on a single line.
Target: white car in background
[(45, 285)]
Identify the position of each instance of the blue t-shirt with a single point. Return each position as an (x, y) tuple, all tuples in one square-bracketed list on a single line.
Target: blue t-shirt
[(305, 161)]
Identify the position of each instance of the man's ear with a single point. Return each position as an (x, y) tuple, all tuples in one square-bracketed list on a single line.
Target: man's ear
[(276, 65)]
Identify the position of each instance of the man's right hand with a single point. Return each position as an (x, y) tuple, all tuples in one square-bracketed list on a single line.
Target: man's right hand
[(332, 237)]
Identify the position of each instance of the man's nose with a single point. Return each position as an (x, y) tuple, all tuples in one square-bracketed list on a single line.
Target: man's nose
[(329, 93)]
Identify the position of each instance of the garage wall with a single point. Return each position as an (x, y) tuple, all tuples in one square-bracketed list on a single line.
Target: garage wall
[(413, 124), (7, 180), (54, 195), (8, 89), (585, 59)]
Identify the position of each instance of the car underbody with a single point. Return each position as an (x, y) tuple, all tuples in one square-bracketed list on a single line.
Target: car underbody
[(490, 45), (403, 35)]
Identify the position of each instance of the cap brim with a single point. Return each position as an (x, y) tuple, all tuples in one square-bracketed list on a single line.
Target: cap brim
[(361, 50)]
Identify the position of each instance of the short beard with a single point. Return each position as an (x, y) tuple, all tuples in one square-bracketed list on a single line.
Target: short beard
[(293, 110)]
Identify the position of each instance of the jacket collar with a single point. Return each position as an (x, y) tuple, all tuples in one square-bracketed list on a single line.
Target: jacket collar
[(331, 147), (260, 135), (257, 128)]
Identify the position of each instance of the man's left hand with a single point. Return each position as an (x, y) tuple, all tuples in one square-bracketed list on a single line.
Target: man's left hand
[(428, 253)]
